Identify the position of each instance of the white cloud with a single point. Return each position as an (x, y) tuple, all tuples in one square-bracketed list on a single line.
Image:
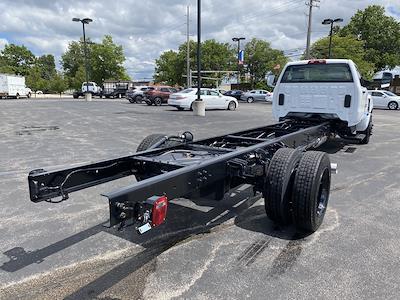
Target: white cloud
[(147, 28)]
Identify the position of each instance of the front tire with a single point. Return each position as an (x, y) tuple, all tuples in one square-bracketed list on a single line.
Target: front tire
[(149, 141), (250, 100), (232, 105), (393, 105), (311, 189)]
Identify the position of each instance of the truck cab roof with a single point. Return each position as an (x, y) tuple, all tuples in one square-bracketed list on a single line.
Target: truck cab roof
[(320, 61)]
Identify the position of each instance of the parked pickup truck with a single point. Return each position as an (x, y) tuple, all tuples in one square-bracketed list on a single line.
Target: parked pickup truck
[(329, 89), (313, 101), (92, 87)]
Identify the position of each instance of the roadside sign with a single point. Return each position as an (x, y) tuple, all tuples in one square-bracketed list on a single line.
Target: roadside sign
[(241, 57)]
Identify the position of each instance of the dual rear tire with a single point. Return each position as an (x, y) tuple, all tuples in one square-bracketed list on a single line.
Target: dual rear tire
[(297, 188)]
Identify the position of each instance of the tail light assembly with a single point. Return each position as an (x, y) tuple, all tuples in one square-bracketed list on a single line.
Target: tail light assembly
[(153, 213), (179, 97)]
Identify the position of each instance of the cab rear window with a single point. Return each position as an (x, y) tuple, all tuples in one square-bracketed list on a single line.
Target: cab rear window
[(317, 73)]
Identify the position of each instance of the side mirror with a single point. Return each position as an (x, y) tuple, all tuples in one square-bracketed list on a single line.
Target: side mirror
[(364, 82), (271, 80)]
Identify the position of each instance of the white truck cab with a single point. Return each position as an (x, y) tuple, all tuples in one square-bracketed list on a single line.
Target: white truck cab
[(328, 89), (90, 87)]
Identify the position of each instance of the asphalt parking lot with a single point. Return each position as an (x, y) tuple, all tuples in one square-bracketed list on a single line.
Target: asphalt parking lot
[(206, 250)]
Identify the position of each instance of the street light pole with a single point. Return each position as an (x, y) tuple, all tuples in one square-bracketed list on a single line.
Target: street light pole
[(238, 39), (198, 106), (85, 21), (331, 22), (187, 47), (198, 49), (86, 59)]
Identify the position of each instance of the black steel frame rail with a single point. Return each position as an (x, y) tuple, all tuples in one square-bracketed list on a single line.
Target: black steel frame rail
[(171, 178)]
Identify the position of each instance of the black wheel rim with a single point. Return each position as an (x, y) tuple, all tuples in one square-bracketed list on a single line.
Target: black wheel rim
[(323, 193)]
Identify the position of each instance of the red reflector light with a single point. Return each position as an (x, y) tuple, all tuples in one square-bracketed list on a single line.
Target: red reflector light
[(317, 61), (159, 209)]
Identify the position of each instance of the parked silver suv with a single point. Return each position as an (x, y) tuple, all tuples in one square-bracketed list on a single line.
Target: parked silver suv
[(254, 95), (136, 94)]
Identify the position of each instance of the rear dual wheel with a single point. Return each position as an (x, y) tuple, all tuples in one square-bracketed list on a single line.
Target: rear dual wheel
[(297, 188)]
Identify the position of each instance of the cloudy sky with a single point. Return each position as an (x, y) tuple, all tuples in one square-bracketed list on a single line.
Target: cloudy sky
[(146, 28)]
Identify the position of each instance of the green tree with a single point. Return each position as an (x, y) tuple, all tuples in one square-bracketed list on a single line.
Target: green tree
[(47, 65), (75, 81), (171, 65), (381, 34), (73, 58), (16, 59), (346, 47), (35, 81), (170, 68), (58, 84), (105, 61), (4, 67), (261, 58)]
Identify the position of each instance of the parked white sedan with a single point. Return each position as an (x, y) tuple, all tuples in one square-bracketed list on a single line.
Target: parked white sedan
[(269, 96), (385, 99), (213, 99)]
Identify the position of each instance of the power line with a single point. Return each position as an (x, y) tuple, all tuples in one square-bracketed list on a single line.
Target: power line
[(287, 6)]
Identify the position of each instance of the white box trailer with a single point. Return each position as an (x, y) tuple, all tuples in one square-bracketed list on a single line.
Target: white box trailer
[(13, 86)]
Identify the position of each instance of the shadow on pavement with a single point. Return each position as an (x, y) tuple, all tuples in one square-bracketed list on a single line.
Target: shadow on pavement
[(338, 144), (183, 222)]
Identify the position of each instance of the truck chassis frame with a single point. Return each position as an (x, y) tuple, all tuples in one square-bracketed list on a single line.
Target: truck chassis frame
[(177, 166)]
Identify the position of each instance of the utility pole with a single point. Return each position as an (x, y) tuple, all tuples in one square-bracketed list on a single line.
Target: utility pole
[(311, 4), (188, 83)]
